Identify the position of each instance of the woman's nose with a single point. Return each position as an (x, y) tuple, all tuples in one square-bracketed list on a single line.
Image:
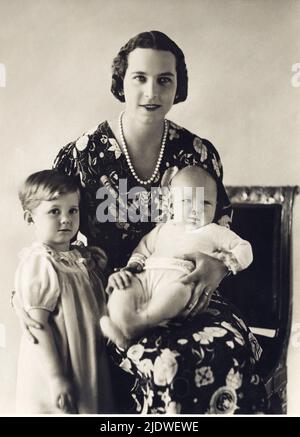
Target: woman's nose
[(151, 89)]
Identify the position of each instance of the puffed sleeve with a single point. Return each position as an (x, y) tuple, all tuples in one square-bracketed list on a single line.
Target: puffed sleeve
[(73, 159), (36, 283)]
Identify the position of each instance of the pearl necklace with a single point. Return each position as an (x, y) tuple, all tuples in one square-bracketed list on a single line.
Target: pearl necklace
[(160, 156)]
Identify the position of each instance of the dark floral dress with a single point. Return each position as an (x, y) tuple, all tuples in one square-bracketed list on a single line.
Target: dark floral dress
[(206, 365)]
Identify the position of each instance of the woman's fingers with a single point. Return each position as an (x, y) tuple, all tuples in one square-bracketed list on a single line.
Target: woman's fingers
[(191, 277), (28, 333), (194, 276), (27, 320), (25, 327), (191, 256), (202, 303)]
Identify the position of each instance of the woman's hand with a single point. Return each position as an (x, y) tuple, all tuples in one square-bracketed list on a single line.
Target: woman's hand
[(62, 393), (206, 276), (25, 320), (120, 280)]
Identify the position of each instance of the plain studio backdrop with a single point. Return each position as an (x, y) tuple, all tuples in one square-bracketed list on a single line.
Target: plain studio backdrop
[(56, 56)]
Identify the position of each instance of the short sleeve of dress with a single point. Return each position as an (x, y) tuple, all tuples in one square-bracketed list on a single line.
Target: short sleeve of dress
[(75, 158), (66, 160), (36, 282)]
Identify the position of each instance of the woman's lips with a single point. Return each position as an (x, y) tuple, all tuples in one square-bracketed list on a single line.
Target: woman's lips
[(150, 107)]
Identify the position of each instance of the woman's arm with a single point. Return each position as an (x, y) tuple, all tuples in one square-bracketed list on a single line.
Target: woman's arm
[(46, 353)]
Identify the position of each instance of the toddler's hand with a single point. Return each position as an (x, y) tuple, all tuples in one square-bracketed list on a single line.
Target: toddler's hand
[(62, 393), (120, 280)]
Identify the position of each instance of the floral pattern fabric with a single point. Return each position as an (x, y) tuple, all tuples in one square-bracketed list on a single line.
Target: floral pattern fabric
[(206, 365), (97, 160)]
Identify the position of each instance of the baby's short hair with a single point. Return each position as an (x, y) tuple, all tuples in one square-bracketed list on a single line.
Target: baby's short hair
[(46, 185)]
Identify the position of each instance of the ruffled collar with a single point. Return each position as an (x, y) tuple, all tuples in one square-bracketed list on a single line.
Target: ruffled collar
[(77, 256)]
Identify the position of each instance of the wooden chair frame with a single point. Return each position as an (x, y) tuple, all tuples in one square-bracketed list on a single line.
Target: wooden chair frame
[(274, 367)]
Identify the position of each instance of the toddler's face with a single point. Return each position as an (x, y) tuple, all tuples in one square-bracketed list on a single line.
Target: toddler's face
[(57, 221), (194, 200)]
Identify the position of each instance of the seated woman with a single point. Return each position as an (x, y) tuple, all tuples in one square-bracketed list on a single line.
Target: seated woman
[(205, 365)]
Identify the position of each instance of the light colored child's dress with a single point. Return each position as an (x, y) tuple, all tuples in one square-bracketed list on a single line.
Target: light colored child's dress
[(69, 286), (161, 253)]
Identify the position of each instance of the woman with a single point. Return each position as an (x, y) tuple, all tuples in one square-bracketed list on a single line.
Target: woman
[(206, 364)]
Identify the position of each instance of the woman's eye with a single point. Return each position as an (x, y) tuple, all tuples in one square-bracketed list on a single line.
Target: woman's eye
[(140, 78), (164, 80)]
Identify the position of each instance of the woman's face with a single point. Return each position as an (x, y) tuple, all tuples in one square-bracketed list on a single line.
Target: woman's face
[(150, 84)]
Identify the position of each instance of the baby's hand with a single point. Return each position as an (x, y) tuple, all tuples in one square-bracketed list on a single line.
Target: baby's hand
[(120, 280), (62, 393)]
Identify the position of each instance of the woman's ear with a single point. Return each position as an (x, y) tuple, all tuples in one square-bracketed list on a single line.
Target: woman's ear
[(28, 217)]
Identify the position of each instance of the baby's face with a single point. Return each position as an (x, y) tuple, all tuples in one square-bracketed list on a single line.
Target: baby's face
[(57, 221), (194, 199)]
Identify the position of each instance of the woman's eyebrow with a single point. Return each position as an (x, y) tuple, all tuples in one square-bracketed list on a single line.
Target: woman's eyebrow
[(138, 72), (168, 73)]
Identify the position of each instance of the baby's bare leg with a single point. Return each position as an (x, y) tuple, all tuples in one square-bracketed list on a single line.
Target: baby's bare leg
[(123, 307), (169, 296), (167, 304)]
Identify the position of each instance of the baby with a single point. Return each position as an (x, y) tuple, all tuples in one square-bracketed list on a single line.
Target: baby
[(149, 291)]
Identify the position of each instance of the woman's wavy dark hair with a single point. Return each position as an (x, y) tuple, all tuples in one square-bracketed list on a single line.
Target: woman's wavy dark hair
[(149, 40)]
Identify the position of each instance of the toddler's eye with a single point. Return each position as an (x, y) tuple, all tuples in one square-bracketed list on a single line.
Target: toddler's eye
[(74, 210), (54, 211)]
